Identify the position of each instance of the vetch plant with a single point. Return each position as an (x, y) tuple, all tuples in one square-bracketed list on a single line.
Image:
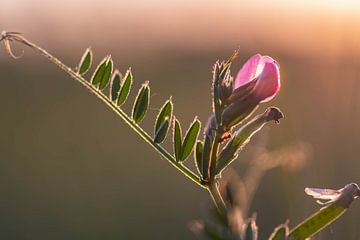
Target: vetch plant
[(227, 131)]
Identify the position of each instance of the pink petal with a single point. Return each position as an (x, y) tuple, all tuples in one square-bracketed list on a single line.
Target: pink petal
[(248, 71), (268, 80)]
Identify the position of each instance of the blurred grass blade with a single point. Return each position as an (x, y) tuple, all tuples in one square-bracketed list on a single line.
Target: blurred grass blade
[(141, 103), (107, 73), (326, 215), (164, 114), (177, 139), (251, 230), (115, 85), (243, 136), (190, 139), (280, 232), (85, 62), (198, 156), (125, 88), (206, 158), (162, 131)]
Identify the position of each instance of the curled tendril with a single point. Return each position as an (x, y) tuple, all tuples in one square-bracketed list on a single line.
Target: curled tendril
[(7, 37)]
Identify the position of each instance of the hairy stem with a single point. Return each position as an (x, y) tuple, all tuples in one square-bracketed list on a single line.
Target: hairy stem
[(7, 37), (213, 187)]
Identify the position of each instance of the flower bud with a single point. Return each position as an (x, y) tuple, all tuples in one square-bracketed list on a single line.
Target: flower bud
[(257, 81), (265, 71)]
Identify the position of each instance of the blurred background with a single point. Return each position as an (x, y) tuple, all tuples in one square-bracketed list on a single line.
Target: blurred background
[(71, 169)]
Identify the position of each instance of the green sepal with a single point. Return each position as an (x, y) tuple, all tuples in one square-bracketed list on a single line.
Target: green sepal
[(125, 88), (85, 62), (177, 138), (216, 100), (141, 103), (190, 139), (241, 92)]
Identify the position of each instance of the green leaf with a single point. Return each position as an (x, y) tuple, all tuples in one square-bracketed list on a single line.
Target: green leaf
[(141, 103), (190, 139), (334, 209), (177, 139), (243, 136), (99, 72), (165, 113), (107, 73), (115, 85), (162, 131), (85, 62), (280, 232), (206, 158), (125, 88), (198, 156), (317, 222)]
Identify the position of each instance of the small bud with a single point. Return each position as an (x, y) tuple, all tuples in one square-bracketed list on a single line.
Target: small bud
[(273, 114)]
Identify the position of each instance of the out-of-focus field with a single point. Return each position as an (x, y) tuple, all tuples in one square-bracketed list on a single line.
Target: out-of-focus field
[(71, 169)]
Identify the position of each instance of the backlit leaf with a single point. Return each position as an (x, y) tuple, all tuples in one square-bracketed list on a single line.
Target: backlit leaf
[(85, 62), (164, 113), (99, 72), (328, 214), (190, 139), (107, 73), (141, 103), (115, 85), (125, 88), (162, 131)]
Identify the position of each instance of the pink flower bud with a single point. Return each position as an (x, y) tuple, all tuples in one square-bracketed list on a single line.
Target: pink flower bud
[(265, 71)]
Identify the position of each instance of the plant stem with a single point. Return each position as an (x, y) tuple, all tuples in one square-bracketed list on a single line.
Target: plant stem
[(217, 198), (144, 135)]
